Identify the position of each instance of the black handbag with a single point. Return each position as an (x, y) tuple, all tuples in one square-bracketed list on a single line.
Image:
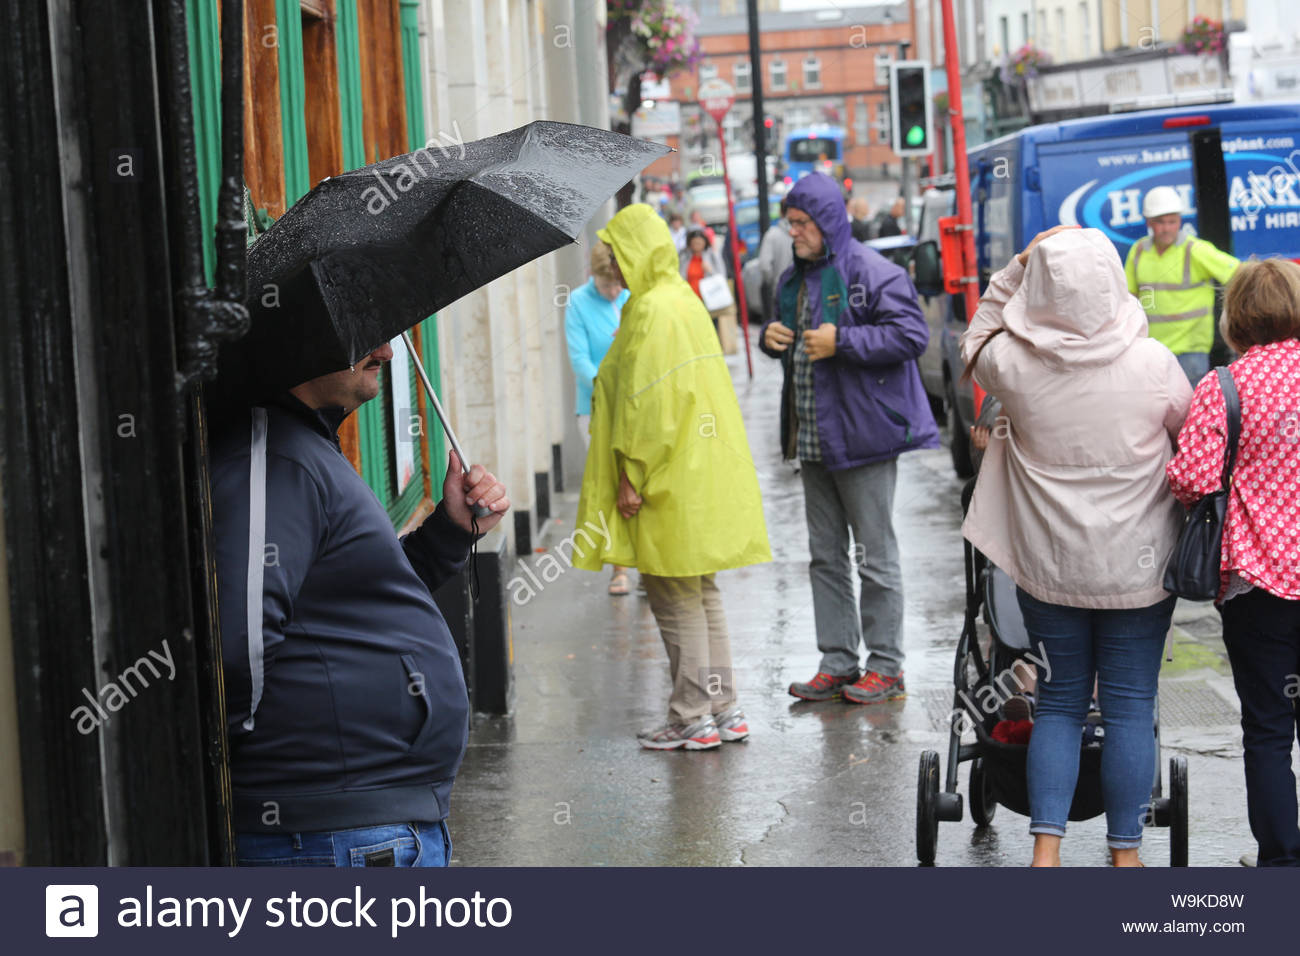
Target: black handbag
[(1193, 569)]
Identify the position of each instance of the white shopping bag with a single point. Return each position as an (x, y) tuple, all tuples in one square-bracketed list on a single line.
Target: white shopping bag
[(716, 293)]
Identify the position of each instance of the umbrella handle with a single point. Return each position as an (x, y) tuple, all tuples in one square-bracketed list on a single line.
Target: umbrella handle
[(480, 511)]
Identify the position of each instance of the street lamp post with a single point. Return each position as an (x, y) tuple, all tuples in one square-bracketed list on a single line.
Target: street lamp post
[(760, 127), (717, 97)]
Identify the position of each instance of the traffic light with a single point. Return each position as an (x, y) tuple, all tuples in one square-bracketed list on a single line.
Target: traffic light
[(911, 107)]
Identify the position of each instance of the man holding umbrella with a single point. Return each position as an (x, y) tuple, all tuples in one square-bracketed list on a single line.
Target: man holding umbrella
[(346, 703)]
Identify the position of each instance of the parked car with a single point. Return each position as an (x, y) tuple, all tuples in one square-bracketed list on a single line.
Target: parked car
[(710, 201), (897, 249)]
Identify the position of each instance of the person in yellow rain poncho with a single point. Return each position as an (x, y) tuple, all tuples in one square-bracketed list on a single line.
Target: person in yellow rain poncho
[(670, 475)]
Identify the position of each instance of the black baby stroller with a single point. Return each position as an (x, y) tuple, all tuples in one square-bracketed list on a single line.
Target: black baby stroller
[(997, 774)]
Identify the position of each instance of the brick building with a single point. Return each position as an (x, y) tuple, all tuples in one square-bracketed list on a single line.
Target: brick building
[(819, 66)]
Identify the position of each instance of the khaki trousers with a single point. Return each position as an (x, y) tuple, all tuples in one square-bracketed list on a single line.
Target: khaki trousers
[(728, 330), (693, 626)]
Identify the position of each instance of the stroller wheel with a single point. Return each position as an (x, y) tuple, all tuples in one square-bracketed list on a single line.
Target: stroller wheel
[(982, 802), (1177, 811), (927, 815)]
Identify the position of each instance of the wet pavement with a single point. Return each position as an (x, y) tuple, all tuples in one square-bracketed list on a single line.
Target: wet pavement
[(561, 781)]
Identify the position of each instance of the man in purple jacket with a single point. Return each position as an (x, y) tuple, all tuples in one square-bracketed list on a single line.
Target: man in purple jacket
[(848, 331)]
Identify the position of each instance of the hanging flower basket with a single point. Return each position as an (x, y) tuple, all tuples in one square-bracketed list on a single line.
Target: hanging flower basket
[(664, 31), (1024, 64), (1204, 36)]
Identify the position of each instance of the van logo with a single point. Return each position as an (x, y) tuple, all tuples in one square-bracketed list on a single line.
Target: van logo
[(1263, 190)]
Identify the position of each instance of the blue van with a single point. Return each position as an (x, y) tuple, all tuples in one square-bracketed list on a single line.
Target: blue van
[(1094, 172)]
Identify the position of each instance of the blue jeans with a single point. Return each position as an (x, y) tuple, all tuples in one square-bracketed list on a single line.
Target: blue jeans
[(396, 844), (1122, 648), (1195, 365)]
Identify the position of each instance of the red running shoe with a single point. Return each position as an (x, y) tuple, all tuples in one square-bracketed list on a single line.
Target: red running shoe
[(874, 688), (822, 687)]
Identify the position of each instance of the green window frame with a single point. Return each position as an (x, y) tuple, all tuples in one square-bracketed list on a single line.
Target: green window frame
[(435, 445), (293, 100), (375, 422), (204, 40)]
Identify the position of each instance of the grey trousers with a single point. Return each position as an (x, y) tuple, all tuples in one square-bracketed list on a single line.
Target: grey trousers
[(862, 499), (693, 626)]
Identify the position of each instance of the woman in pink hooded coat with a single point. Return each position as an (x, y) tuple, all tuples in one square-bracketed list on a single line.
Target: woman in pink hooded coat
[(1072, 503)]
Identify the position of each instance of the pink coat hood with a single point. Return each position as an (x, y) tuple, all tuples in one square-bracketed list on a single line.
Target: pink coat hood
[(1073, 306), (1072, 500)]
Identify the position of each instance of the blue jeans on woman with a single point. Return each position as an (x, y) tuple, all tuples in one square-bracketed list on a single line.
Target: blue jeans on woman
[(1121, 648), (396, 844)]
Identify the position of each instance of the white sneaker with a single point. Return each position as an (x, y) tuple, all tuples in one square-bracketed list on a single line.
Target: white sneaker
[(732, 725), (701, 735)]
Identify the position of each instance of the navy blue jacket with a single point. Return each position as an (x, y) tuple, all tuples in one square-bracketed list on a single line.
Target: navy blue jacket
[(345, 697)]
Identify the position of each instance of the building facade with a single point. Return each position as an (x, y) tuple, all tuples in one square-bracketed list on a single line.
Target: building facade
[(819, 67), (115, 299)]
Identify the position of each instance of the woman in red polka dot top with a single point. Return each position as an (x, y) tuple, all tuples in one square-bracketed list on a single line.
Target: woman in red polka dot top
[(1259, 591)]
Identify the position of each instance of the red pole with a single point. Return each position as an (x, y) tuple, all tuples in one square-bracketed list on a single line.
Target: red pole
[(735, 251), (965, 216)]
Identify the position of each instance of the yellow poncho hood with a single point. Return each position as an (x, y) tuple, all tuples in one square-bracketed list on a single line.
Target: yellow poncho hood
[(665, 412)]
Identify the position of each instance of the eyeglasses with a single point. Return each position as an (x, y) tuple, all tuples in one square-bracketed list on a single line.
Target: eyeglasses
[(799, 224)]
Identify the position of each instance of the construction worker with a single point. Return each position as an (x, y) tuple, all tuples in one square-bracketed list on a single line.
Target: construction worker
[(1170, 272)]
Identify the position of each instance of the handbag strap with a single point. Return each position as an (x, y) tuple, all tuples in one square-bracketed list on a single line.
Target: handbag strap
[(1232, 407)]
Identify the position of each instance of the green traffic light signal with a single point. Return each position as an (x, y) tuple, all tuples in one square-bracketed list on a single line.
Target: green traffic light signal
[(915, 136)]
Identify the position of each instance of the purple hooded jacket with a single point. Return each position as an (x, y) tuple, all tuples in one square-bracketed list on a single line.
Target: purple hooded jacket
[(871, 405)]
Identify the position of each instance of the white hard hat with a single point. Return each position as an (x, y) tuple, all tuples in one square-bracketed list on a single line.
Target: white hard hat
[(1161, 201)]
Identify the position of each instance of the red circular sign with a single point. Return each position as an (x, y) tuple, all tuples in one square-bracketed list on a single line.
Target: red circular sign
[(716, 97)]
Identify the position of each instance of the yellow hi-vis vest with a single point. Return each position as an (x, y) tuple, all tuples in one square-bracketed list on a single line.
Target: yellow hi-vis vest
[(1176, 291)]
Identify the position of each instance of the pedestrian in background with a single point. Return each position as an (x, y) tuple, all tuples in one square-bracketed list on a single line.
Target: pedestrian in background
[(1259, 594), (775, 253), (590, 323), (1169, 270), (677, 227), (886, 221), (697, 222), (699, 259), (848, 330), (860, 217), (1072, 503), (671, 476)]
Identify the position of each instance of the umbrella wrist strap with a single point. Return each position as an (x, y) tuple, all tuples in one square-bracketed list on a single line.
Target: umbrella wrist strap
[(474, 588)]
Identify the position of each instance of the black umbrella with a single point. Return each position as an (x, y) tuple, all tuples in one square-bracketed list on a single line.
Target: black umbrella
[(370, 253)]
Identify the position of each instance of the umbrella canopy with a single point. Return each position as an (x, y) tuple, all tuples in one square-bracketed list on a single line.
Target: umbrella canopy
[(367, 254)]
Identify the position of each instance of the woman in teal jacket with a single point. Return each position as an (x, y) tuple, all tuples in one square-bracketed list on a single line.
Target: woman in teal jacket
[(590, 321)]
